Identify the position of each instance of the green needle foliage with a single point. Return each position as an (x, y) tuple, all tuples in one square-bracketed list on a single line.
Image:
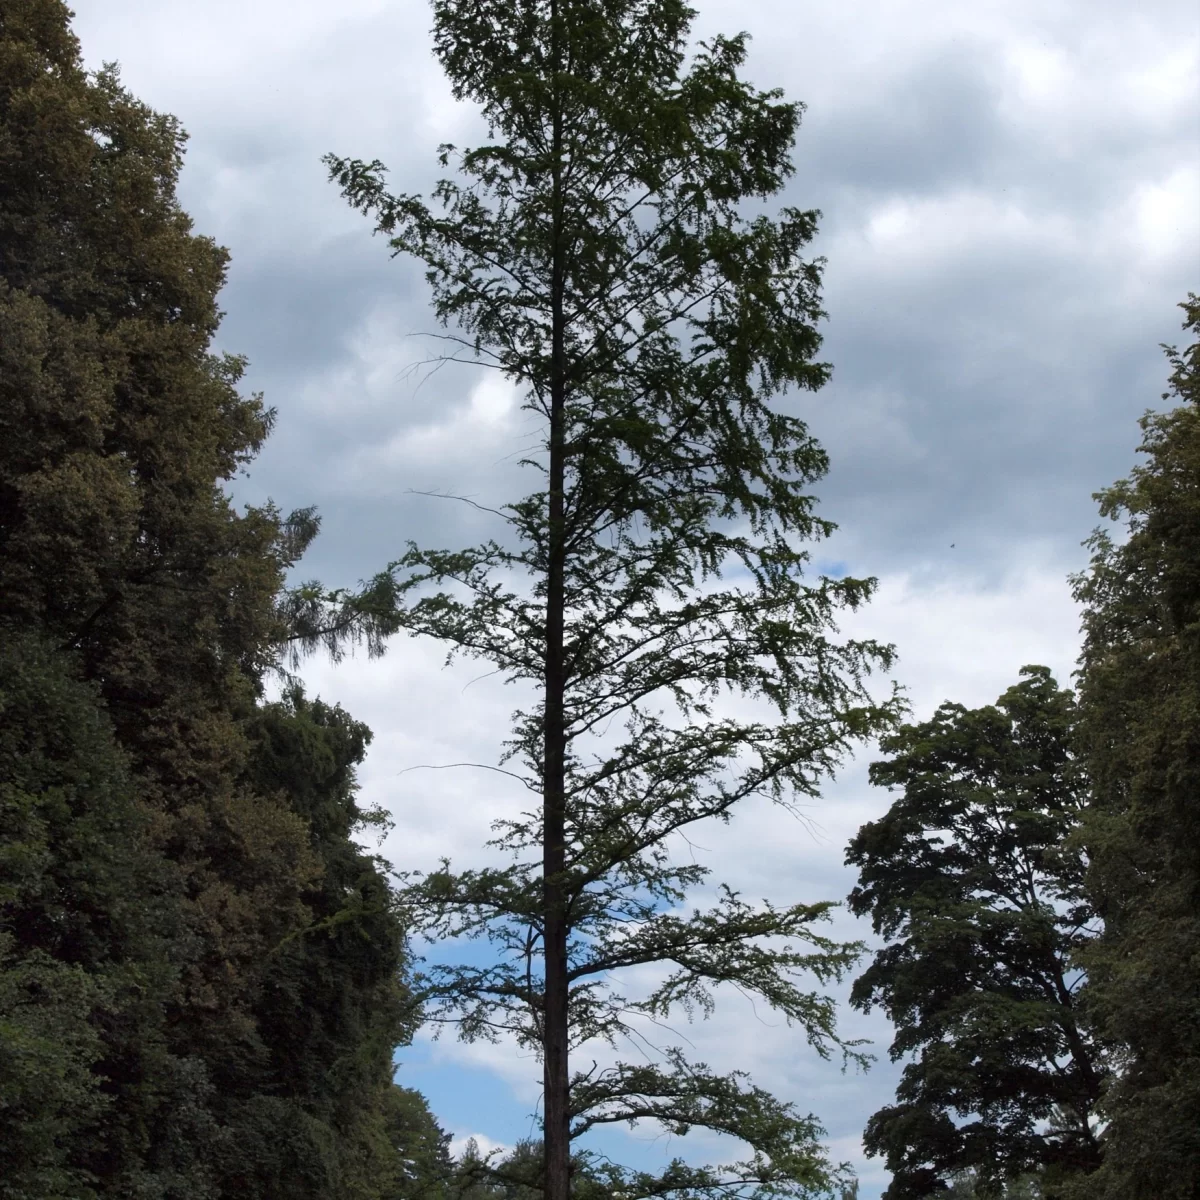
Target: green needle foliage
[(1140, 735), (983, 912), (596, 253)]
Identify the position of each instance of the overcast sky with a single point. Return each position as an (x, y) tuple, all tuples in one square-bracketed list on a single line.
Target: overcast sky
[(1011, 199)]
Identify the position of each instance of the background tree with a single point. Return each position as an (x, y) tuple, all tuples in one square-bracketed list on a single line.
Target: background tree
[(966, 1185), (519, 1174), (595, 253), (1139, 688), (320, 1115), (149, 611), (983, 911)]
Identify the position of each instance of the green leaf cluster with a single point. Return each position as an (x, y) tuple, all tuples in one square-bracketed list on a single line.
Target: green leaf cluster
[(85, 930)]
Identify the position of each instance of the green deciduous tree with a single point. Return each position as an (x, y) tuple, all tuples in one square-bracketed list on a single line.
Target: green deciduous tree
[(118, 544), (318, 1114), (983, 911), (167, 879), (1140, 736), (596, 253)]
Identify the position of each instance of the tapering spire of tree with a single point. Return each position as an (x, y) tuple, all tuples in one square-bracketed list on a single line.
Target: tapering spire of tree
[(595, 253)]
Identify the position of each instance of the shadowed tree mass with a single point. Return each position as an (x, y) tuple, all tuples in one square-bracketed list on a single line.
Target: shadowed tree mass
[(1140, 738), (198, 966), (983, 911)]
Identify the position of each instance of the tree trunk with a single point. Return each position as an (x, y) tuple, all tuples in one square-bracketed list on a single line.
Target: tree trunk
[(556, 1135)]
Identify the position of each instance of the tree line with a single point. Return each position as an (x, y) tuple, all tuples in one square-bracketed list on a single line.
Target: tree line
[(203, 974)]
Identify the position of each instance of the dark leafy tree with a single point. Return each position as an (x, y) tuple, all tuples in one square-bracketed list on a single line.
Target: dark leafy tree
[(121, 551), (1140, 736), (85, 928), (982, 911), (117, 542), (320, 1115), (595, 252)]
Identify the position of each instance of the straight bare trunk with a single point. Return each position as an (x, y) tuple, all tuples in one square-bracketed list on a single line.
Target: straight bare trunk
[(557, 1134)]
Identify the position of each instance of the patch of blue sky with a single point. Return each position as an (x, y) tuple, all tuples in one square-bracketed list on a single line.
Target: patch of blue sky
[(465, 1099), (835, 569)]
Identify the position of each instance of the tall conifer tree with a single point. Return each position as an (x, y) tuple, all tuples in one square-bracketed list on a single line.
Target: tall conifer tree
[(597, 254)]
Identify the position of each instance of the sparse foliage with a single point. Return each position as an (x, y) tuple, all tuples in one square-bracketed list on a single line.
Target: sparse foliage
[(596, 253)]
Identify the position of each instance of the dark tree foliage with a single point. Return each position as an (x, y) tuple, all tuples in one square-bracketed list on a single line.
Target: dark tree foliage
[(117, 542), (85, 965), (178, 870), (422, 1168), (319, 1113), (983, 910), (1139, 690), (601, 253)]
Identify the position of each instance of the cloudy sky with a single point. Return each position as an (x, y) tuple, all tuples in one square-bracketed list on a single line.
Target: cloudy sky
[(1011, 201)]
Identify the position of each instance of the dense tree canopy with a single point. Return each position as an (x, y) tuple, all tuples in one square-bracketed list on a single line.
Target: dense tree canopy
[(178, 871), (318, 1113), (85, 927), (982, 910), (1140, 726)]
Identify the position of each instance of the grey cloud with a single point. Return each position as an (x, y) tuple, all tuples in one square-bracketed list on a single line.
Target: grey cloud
[(933, 123)]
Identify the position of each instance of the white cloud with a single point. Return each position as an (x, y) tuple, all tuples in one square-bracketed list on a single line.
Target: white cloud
[(484, 428), (1167, 214), (485, 1145)]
